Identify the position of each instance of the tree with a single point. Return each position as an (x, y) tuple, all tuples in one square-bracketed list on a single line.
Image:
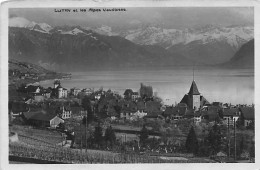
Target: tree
[(220, 114), (241, 120), (251, 125), (203, 149), (128, 94), (87, 106), (61, 126), (241, 146), (158, 99), (84, 120), (144, 134), (110, 136), (214, 139), (192, 142), (118, 109), (98, 135), (252, 149)]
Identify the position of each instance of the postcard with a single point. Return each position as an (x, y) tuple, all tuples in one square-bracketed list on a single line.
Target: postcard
[(145, 84)]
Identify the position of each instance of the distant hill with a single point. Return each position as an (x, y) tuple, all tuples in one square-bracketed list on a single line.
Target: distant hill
[(77, 49), (205, 53), (25, 72), (25, 67), (31, 73), (244, 57)]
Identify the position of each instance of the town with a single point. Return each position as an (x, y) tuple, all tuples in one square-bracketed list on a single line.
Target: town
[(77, 121)]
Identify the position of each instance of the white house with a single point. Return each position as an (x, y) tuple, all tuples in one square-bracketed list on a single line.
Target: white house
[(54, 122), (135, 95), (98, 96), (88, 91), (197, 119), (62, 92), (139, 114), (230, 115), (65, 112), (75, 91)]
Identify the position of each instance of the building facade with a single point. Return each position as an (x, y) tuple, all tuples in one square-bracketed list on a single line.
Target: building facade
[(62, 92)]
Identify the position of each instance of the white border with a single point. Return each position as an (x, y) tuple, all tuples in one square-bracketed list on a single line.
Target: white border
[(116, 3)]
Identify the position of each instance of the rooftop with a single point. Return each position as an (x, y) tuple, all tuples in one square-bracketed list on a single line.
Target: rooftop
[(19, 107), (193, 89), (39, 115), (248, 112), (231, 112), (175, 110)]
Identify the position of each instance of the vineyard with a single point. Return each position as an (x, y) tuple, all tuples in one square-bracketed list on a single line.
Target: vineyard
[(70, 156), (43, 145), (34, 136)]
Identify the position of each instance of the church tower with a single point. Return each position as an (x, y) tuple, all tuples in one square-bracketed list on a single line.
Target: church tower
[(194, 97), (194, 100), (56, 83)]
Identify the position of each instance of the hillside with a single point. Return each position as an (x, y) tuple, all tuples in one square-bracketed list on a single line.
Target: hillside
[(27, 72), (244, 57), (25, 67), (76, 49)]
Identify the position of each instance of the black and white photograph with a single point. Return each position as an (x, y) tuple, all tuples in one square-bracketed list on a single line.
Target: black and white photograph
[(131, 85)]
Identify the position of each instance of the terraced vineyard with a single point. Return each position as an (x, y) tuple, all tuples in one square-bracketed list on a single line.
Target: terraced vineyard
[(38, 135), (63, 155), (42, 145)]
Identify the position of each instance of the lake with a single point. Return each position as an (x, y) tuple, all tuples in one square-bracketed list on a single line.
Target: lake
[(234, 86)]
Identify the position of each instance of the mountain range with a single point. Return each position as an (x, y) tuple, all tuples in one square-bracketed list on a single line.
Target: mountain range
[(244, 57), (24, 23), (74, 47), (80, 49), (204, 45)]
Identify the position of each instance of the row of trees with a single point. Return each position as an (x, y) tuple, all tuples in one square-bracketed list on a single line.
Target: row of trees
[(210, 145), (99, 141), (213, 143)]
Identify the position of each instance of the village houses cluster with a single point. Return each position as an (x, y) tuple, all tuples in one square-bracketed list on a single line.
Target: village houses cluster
[(132, 106)]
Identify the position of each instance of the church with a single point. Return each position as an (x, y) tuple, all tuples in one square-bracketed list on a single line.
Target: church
[(194, 100)]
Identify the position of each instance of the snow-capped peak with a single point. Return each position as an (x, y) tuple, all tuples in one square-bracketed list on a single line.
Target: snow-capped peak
[(31, 25), (105, 30), (75, 31), (234, 36), (25, 23), (45, 26), (19, 22)]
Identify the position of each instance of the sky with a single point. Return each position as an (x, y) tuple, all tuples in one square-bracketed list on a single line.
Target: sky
[(167, 17)]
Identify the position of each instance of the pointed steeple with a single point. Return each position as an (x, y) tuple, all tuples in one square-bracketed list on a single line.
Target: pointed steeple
[(194, 89), (193, 73)]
